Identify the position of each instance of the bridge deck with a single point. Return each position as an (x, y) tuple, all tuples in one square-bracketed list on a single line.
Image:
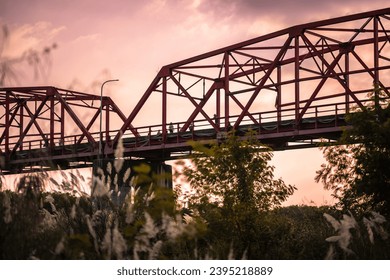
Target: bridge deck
[(278, 135)]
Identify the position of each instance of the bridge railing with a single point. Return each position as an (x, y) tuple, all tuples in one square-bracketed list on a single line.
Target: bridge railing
[(272, 121), (263, 122)]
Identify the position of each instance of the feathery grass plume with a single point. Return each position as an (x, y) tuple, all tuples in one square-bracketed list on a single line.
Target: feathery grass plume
[(108, 184), (231, 253), (155, 251), (81, 177), (145, 243), (99, 186), (118, 162), (173, 227), (64, 175), (74, 179), (49, 199), (369, 226), (374, 224), (106, 243), (49, 220), (92, 232), (116, 183), (342, 228), (335, 224), (149, 227), (73, 212), (150, 195), (31, 184), (109, 168), (118, 243), (129, 204), (127, 175), (52, 180), (133, 181), (330, 255), (345, 239), (378, 218), (7, 208), (60, 246)]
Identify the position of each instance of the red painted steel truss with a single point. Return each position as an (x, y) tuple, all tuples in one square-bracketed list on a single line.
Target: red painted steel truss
[(50, 126), (298, 74), (293, 85)]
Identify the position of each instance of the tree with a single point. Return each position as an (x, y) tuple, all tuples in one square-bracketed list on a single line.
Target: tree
[(233, 187), (358, 171), (235, 172)]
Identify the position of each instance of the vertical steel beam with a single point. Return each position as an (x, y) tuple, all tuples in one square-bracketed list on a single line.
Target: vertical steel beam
[(164, 109), (52, 127), (376, 64), (7, 123), (297, 84), (227, 91), (21, 120), (218, 107), (278, 101), (376, 52), (62, 123), (346, 78), (107, 126)]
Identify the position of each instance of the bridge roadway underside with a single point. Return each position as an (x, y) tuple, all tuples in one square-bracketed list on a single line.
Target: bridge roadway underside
[(279, 136)]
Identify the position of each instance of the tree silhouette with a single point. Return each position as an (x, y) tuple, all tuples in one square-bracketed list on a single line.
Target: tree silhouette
[(358, 171)]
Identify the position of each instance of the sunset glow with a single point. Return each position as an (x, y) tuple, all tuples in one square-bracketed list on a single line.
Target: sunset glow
[(87, 42)]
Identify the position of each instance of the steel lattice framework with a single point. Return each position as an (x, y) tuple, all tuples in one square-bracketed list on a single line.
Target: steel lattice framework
[(49, 126), (293, 85)]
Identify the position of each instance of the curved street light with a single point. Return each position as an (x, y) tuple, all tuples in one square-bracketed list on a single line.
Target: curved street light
[(101, 115)]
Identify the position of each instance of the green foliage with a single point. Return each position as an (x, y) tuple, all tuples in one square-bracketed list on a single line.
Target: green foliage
[(358, 171), (239, 218), (235, 173), (233, 187), (62, 226)]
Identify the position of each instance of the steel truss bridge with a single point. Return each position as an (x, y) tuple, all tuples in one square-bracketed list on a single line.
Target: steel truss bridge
[(291, 87)]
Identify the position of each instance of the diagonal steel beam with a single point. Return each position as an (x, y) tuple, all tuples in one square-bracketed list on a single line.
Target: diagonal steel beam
[(332, 71), (242, 108), (319, 87), (75, 118), (10, 120), (199, 107), (273, 65), (138, 107), (32, 121)]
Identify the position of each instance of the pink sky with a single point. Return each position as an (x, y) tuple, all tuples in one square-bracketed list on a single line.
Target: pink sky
[(132, 40)]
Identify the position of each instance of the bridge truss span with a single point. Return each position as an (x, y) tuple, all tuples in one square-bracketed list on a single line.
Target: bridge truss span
[(330, 61), (292, 85), (50, 126)]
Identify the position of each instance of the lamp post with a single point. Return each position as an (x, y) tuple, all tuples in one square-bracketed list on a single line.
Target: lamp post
[(101, 116)]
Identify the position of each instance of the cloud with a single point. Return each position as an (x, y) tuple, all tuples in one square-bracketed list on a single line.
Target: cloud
[(87, 38), (286, 11), (30, 36)]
